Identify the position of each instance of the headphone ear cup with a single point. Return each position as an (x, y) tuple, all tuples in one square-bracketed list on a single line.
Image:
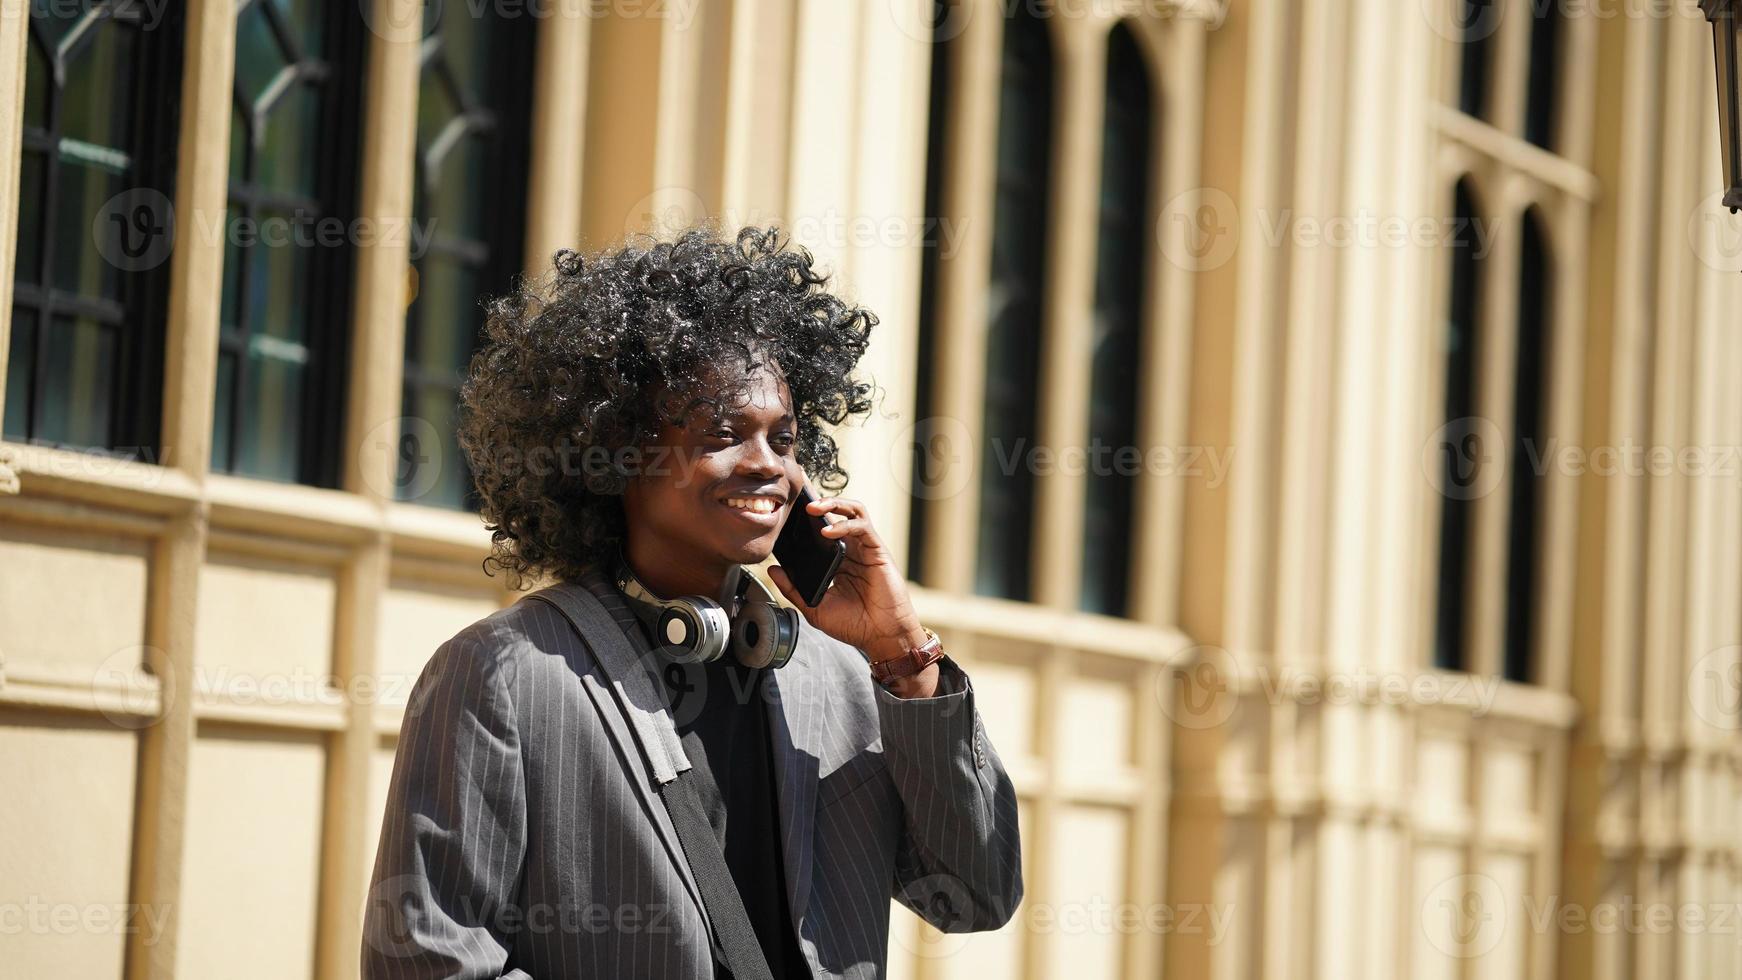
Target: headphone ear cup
[(765, 635), (696, 626)]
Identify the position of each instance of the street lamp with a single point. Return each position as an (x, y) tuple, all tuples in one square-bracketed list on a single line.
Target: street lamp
[(1726, 32)]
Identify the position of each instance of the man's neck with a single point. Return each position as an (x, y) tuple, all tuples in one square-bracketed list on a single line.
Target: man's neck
[(669, 579)]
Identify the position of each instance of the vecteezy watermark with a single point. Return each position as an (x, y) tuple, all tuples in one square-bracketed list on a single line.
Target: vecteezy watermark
[(1096, 916), (136, 230), (1477, 20), (1202, 229), (1209, 684), (1465, 916), (417, 453), (1467, 458), (935, 458), (922, 20), (413, 20), (37, 916), (1715, 689), (392, 932), (1715, 235), (147, 14)]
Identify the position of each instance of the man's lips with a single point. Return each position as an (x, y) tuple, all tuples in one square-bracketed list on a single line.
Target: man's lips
[(762, 510)]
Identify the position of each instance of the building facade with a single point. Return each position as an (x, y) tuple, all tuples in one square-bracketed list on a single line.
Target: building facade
[(1312, 422)]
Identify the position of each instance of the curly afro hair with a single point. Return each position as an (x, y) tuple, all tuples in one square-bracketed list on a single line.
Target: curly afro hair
[(596, 356)]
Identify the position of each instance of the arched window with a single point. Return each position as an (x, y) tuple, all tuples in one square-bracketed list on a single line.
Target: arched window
[(470, 201), (286, 309), (101, 90), (1014, 310), (1119, 296), (1460, 450), (1529, 445), (1542, 100)]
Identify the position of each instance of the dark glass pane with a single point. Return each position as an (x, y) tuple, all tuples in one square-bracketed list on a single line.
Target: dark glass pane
[(30, 229), (447, 315), (270, 436), (288, 153), (78, 382), (1014, 310), (1118, 327), (437, 474), (437, 106), (230, 311), (466, 43), (928, 461), (259, 54), (96, 102), (239, 137), (1529, 441), (458, 203), (1545, 68), (303, 18), (79, 197), (20, 360), (37, 81), (1479, 19), (224, 410), (278, 279), (1460, 456)]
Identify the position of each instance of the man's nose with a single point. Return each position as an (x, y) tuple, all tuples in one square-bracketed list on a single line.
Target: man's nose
[(759, 458)]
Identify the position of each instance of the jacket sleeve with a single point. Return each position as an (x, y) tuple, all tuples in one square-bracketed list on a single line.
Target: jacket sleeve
[(453, 838), (960, 864)]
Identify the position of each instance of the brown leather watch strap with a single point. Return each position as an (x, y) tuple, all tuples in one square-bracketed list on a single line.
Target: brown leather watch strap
[(909, 663)]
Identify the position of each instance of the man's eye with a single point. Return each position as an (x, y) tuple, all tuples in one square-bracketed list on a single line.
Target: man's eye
[(785, 438), (721, 433)]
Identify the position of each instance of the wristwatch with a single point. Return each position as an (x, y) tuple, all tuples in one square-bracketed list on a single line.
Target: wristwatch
[(909, 663)]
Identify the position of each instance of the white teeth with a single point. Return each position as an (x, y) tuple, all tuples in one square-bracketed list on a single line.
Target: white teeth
[(756, 505)]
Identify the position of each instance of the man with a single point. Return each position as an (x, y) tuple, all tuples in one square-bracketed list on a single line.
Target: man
[(583, 789)]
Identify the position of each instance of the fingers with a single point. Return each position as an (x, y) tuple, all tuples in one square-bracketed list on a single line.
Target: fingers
[(851, 526), (840, 506)]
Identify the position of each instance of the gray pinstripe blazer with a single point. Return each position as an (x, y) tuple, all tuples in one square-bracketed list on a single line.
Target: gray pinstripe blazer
[(524, 836)]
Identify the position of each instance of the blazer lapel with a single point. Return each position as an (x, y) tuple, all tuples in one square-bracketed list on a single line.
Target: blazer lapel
[(628, 700), (795, 724)]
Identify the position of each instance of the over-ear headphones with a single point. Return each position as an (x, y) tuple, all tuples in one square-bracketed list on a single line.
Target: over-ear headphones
[(760, 632)]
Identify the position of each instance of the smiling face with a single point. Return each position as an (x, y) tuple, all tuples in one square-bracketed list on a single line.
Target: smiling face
[(715, 491)]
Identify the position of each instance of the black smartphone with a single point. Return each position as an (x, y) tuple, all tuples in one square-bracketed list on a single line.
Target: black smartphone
[(810, 560)]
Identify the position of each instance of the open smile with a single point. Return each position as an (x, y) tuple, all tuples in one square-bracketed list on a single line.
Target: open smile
[(759, 509)]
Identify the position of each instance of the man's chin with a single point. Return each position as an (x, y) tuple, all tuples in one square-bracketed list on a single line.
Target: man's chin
[(753, 552)]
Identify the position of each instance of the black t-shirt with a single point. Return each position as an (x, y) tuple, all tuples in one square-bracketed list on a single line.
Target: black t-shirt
[(721, 713)]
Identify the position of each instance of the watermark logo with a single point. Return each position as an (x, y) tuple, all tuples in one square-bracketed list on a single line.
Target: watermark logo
[(1715, 689), (1464, 459), (134, 231), (666, 212), (1465, 916), (924, 20), (933, 458), (416, 449), (943, 901), (402, 22), (1199, 230), (1715, 235), (1463, 20), (1203, 692), (127, 690)]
